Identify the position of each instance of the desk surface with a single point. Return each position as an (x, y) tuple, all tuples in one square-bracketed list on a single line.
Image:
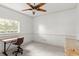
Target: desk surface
[(9, 39)]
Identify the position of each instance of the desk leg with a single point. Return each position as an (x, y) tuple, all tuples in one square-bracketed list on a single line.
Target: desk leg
[(5, 49)]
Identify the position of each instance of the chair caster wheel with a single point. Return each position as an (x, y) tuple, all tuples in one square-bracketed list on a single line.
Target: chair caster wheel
[(21, 52), (13, 53)]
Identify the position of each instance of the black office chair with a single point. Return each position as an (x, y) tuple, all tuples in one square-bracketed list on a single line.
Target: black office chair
[(18, 43)]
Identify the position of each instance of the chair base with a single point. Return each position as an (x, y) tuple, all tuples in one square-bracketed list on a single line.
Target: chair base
[(19, 50)]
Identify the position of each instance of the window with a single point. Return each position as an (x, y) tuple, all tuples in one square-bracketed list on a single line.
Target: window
[(9, 26)]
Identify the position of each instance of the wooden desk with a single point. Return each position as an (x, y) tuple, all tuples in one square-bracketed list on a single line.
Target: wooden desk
[(7, 40)]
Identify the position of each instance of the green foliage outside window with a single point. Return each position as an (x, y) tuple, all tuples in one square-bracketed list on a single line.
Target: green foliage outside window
[(8, 26)]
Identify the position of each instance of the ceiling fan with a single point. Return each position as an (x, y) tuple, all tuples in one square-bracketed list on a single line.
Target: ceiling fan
[(35, 7)]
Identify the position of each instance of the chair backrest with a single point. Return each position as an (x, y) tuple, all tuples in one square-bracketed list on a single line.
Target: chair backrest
[(19, 41)]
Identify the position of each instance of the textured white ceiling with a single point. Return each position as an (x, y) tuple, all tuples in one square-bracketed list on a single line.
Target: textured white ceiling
[(50, 7)]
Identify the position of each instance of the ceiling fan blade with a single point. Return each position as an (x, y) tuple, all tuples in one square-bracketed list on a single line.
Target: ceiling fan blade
[(39, 5), (26, 9), (41, 10), (30, 5)]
